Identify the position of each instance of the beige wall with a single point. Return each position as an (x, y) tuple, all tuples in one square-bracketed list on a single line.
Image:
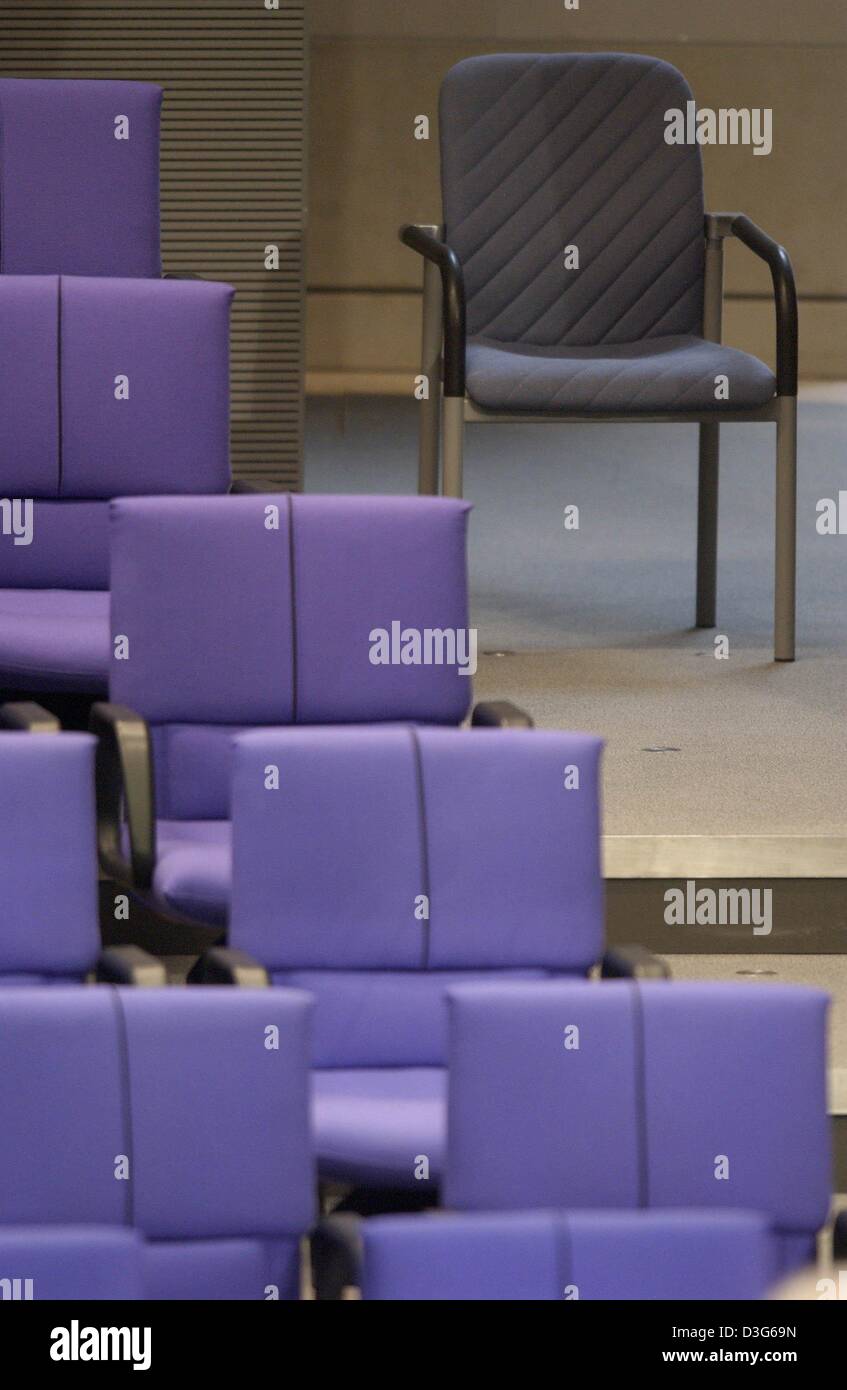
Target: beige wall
[(376, 65)]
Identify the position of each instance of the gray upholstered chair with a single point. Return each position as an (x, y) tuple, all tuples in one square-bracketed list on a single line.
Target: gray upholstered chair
[(577, 277)]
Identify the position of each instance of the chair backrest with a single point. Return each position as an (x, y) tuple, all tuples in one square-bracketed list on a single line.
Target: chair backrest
[(183, 1114), (107, 388), (658, 1095), (569, 1256), (541, 152), (374, 867), (267, 610), (67, 1263), (48, 864), (79, 177)]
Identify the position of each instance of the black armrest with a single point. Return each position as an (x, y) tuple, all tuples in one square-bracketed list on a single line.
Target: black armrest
[(500, 714), (222, 966), (839, 1238), (453, 302), (241, 485), (785, 293), (336, 1250), (181, 275), (28, 716), (632, 963), (124, 776), (129, 965)]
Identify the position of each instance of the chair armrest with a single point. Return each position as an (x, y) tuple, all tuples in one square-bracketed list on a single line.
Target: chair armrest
[(723, 224), (632, 963), (29, 717), (839, 1239), (452, 300), (129, 965), (241, 485), (181, 275), (223, 966), (500, 714), (123, 771)]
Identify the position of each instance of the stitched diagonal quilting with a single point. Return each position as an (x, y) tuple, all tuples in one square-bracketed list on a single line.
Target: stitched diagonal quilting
[(570, 150)]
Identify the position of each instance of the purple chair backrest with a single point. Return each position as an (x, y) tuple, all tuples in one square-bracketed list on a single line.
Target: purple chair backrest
[(107, 388), (246, 611), (565, 1256), (389, 861), (542, 151), (79, 177), (71, 1262), (184, 1114), (658, 1095), (48, 865)]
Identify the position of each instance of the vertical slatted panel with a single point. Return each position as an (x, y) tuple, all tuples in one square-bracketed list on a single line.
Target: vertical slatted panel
[(233, 171)]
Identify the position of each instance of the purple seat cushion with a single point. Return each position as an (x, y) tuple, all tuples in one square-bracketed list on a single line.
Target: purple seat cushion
[(214, 1270), (261, 609), (658, 374), (193, 875), (712, 1095), (48, 862), (29, 373), (375, 1126), (479, 822), (553, 1256), (205, 1089), (69, 548), (54, 637), (384, 1018), (170, 338), (67, 1263), (76, 200), (114, 387)]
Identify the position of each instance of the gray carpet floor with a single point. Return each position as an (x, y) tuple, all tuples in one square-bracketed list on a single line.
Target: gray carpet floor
[(626, 577), (595, 625)]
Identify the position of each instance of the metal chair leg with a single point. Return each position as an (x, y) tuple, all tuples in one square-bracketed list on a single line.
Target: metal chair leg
[(452, 435), (430, 407), (707, 525), (786, 528)]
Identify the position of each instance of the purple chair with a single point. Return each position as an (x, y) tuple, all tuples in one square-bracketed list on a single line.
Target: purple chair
[(568, 1256), (244, 612), (79, 177), (639, 1095), (180, 1114), (48, 869), (71, 1263), (390, 865), (112, 381), (73, 439)]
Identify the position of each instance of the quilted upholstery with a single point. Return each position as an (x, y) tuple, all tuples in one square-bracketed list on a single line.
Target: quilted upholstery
[(540, 152), (658, 374)]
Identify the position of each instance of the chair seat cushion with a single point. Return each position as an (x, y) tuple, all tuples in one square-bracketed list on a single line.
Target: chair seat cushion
[(54, 639), (193, 875), (654, 376), (232, 1269), (376, 1126)]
